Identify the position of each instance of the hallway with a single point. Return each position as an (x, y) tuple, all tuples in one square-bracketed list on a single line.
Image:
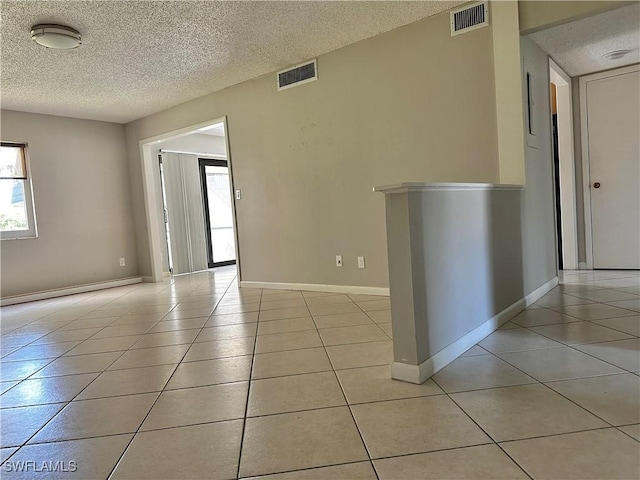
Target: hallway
[(196, 378)]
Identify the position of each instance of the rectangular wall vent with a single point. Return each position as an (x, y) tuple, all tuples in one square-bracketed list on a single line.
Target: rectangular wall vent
[(469, 18), (294, 76)]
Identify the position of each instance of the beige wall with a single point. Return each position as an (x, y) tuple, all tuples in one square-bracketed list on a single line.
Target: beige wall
[(413, 104), (497, 246), (537, 15), (82, 201), (539, 258), (540, 14), (507, 73)]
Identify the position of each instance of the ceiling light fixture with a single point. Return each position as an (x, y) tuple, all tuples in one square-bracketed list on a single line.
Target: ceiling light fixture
[(56, 36), (616, 54)]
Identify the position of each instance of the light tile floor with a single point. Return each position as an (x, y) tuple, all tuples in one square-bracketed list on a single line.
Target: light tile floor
[(195, 378)]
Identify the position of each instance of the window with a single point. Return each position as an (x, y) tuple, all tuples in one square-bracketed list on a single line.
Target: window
[(17, 218)]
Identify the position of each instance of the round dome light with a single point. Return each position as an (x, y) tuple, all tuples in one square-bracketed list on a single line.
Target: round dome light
[(615, 55), (56, 36)]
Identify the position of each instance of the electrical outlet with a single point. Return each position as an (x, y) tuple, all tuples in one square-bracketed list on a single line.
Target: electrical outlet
[(122, 262), (360, 262), (238, 194), (338, 260)]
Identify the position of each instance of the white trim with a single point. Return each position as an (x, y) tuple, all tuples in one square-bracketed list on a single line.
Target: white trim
[(584, 136), (416, 186), (32, 224), (215, 156), (586, 182), (419, 374), (540, 292), (62, 292), (150, 194), (318, 287), (234, 199), (566, 155)]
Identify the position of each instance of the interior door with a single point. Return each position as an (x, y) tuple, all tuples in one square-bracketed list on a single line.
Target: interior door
[(613, 126), (218, 214)]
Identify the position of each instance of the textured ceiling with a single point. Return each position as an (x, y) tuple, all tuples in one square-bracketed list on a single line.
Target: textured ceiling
[(141, 57), (578, 47)]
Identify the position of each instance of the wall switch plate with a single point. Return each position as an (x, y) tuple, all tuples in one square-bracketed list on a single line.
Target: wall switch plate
[(338, 260), (238, 194), (360, 262), (122, 262)]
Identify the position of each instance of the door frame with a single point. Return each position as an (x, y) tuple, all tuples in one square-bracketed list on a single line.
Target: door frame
[(586, 165), (151, 197), (566, 155), (202, 164)]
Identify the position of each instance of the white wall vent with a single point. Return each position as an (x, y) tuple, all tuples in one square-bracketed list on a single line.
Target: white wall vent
[(469, 18), (294, 76)]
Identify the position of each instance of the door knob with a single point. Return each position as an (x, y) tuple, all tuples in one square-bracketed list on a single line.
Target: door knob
[(596, 185)]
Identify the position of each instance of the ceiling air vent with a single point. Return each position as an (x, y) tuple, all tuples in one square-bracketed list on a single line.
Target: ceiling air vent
[(469, 18), (294, 76)]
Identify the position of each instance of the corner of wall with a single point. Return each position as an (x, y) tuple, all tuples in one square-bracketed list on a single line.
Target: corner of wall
[(508, 80)]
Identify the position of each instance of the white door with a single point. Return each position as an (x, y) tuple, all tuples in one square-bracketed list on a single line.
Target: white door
[(613, 136)]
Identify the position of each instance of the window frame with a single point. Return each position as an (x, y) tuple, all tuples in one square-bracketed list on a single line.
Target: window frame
[(32, 231)]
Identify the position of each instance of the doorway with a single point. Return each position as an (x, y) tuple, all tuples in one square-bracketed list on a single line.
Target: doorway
[(155, 210), (556, 175), (218, 213), (564, 167)]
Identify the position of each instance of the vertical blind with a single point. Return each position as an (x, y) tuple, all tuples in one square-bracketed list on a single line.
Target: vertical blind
[(185, 213)]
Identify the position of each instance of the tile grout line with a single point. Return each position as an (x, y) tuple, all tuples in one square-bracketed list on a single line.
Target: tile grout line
[(128, 446), (554, 391), (66, 403), (478, 425), (53, 359), (534, 381), (609, 425), (324, 346), (560, 309), (594, 322), (529, 328), (305, 469), (249, 381), (353, 418), (564, 345), (627, 434)]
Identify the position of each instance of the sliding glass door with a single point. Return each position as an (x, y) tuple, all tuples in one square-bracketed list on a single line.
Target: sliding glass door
[(218, 214)]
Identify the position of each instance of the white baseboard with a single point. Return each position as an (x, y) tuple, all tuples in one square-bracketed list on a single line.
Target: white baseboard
[(420, 373), (317, 287), (582, 266), (61, 292), (540, 292)]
